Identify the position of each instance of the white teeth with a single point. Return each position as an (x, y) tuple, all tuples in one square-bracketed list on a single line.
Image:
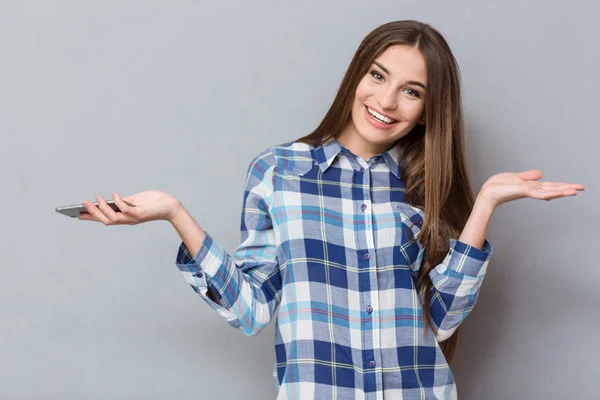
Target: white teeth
[(380, 117)]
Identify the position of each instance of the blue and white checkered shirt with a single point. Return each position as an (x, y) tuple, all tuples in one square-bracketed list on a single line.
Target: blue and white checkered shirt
[(327, 238)]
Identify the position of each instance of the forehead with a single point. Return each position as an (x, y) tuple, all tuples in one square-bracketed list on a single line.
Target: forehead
[(404, 62)]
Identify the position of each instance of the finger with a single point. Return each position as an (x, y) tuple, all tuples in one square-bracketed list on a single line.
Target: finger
[(125, 220), (554, 189), (117, 217), (94, 211), (531, 175), (124, 207), (128, 201), (564, 185), (574, 187), (87, 217), (553, 184), (561, 195), (105, 208), (121, 219), (550, 195), (128, 219)]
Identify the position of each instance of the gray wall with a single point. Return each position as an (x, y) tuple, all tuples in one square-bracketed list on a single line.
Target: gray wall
[(97, 96)]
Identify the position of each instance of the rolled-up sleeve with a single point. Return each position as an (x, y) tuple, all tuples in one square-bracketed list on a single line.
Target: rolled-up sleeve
[(246, 282), (456, 284)]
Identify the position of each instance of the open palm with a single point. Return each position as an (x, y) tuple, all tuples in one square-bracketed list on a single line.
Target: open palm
[(508, 186)]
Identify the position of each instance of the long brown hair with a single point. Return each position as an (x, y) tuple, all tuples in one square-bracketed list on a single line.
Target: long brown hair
[(433, 161)]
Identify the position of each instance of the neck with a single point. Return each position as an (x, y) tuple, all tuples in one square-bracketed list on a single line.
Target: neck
[(357, 145)]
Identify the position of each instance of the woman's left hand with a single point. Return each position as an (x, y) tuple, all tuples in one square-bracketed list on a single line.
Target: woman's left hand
[(508, 186)]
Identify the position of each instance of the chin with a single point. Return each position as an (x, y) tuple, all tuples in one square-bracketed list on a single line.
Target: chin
[(379, 137)]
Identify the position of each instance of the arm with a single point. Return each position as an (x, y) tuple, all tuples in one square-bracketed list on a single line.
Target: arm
[(243, 287), (457, 280), (192, 236)]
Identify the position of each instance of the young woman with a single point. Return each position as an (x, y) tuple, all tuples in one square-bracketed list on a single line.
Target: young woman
[(364, 234)]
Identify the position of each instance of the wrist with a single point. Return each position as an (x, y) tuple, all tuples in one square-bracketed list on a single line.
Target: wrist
[(484, 206), (177, 214)]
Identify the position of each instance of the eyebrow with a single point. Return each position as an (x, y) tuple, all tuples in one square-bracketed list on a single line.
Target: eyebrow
[(416, 83)]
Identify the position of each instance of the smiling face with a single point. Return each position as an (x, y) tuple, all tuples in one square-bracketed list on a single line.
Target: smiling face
[(389, 102)]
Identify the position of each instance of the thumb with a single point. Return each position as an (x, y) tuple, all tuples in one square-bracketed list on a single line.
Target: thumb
[(128, 200), (531, 175)]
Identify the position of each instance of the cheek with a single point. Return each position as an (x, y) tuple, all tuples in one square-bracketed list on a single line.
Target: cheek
[(364, 91), (412, 110)]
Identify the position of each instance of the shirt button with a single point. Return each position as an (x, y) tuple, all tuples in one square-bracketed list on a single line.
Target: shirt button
[(372, 364), (367, 256), (363, 207), (369, 309), (362, 169)]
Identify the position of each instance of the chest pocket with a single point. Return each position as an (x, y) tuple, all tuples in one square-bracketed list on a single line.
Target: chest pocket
[(411, 219)]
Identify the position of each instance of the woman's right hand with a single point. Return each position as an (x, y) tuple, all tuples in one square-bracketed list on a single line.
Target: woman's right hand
[(150, 205)]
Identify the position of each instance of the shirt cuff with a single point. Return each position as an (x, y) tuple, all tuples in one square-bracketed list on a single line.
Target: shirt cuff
[(184, 256), (468, 260), (199, 269)]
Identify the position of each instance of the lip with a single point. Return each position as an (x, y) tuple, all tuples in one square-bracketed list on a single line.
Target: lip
[(377, 124), (384, 114)]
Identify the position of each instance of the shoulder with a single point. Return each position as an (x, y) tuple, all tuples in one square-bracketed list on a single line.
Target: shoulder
[(290, 158)]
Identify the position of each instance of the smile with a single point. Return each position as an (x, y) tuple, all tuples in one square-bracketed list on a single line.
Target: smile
[(378, 119)]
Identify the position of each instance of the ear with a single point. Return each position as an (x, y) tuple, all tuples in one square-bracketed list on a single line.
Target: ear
[(422, 119)]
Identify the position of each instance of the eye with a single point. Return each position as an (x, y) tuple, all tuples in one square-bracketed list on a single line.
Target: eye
[(412, 92), (377, 76)]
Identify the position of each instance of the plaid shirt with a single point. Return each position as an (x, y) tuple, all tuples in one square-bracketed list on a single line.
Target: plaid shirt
[(328, 238)]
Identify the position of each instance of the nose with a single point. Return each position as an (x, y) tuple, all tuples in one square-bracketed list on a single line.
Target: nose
[(388, 100)]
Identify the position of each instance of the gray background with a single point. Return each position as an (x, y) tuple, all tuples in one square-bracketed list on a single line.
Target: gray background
[(97, 96)]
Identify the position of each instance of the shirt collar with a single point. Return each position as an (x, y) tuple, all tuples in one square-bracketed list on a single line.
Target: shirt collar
[(326, 153), (392, 158)]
